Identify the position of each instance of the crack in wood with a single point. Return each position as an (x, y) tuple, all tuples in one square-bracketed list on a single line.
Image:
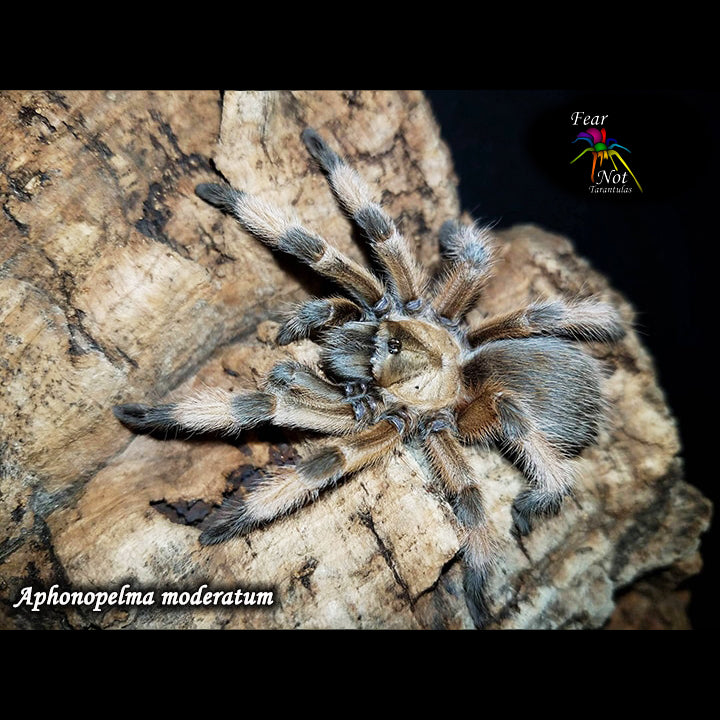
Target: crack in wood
[(367, 520)]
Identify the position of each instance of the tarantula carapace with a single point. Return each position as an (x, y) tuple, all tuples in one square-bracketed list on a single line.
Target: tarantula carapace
[(399, 364)]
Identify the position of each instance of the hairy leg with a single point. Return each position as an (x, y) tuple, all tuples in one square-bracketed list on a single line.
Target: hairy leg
[(589, 320), (315, 315), (469, 248), (407, 277), (293, 396), (305, 388), (282, 233), (345, 351), (480, 546), (289, 488), (551, 474), (496, 414)]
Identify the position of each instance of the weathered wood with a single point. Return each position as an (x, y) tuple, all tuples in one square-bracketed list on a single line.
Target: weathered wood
[(119, 285)]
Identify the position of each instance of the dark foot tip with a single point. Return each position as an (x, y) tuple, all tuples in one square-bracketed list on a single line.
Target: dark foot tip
[(312, 139), (226, 525), (474, 586), (213, 535), (319, 149), (130, 411), (208, 191), (287, 334), (522, 522), (283, 374), (448, 232), (144, 418), (133, 415), (480, 614), (219, 196)]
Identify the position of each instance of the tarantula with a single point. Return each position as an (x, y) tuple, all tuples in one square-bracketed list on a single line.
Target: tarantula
[(399, 364)]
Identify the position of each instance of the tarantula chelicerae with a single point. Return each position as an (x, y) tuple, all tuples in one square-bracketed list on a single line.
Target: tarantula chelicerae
[(398, 365)]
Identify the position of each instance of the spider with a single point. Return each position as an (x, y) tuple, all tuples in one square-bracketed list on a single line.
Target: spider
[(400, 364)]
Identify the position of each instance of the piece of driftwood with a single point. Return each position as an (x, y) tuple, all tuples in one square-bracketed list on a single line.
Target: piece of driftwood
[(118, 285)]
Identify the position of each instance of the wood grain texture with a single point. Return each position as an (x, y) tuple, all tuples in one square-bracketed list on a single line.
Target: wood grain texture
[(117, 284)]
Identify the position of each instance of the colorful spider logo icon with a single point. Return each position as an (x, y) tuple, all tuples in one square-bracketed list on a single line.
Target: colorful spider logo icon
[(603, 148)]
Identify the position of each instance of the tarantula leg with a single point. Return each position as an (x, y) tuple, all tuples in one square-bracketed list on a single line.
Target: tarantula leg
[(469, 247), (208, 410), (407, 277), (146, 418), (480, 547), (282, 233), (589, 320), (293, 396), (289, 488), (496, 414), (531, 504), (550, 473), (311, 393), (315, 315), (344, 355)]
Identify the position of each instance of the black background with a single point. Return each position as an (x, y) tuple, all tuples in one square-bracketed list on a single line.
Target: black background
[(512, 152)]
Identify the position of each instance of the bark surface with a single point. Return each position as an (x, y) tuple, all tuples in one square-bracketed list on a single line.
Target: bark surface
[(117, 284)]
